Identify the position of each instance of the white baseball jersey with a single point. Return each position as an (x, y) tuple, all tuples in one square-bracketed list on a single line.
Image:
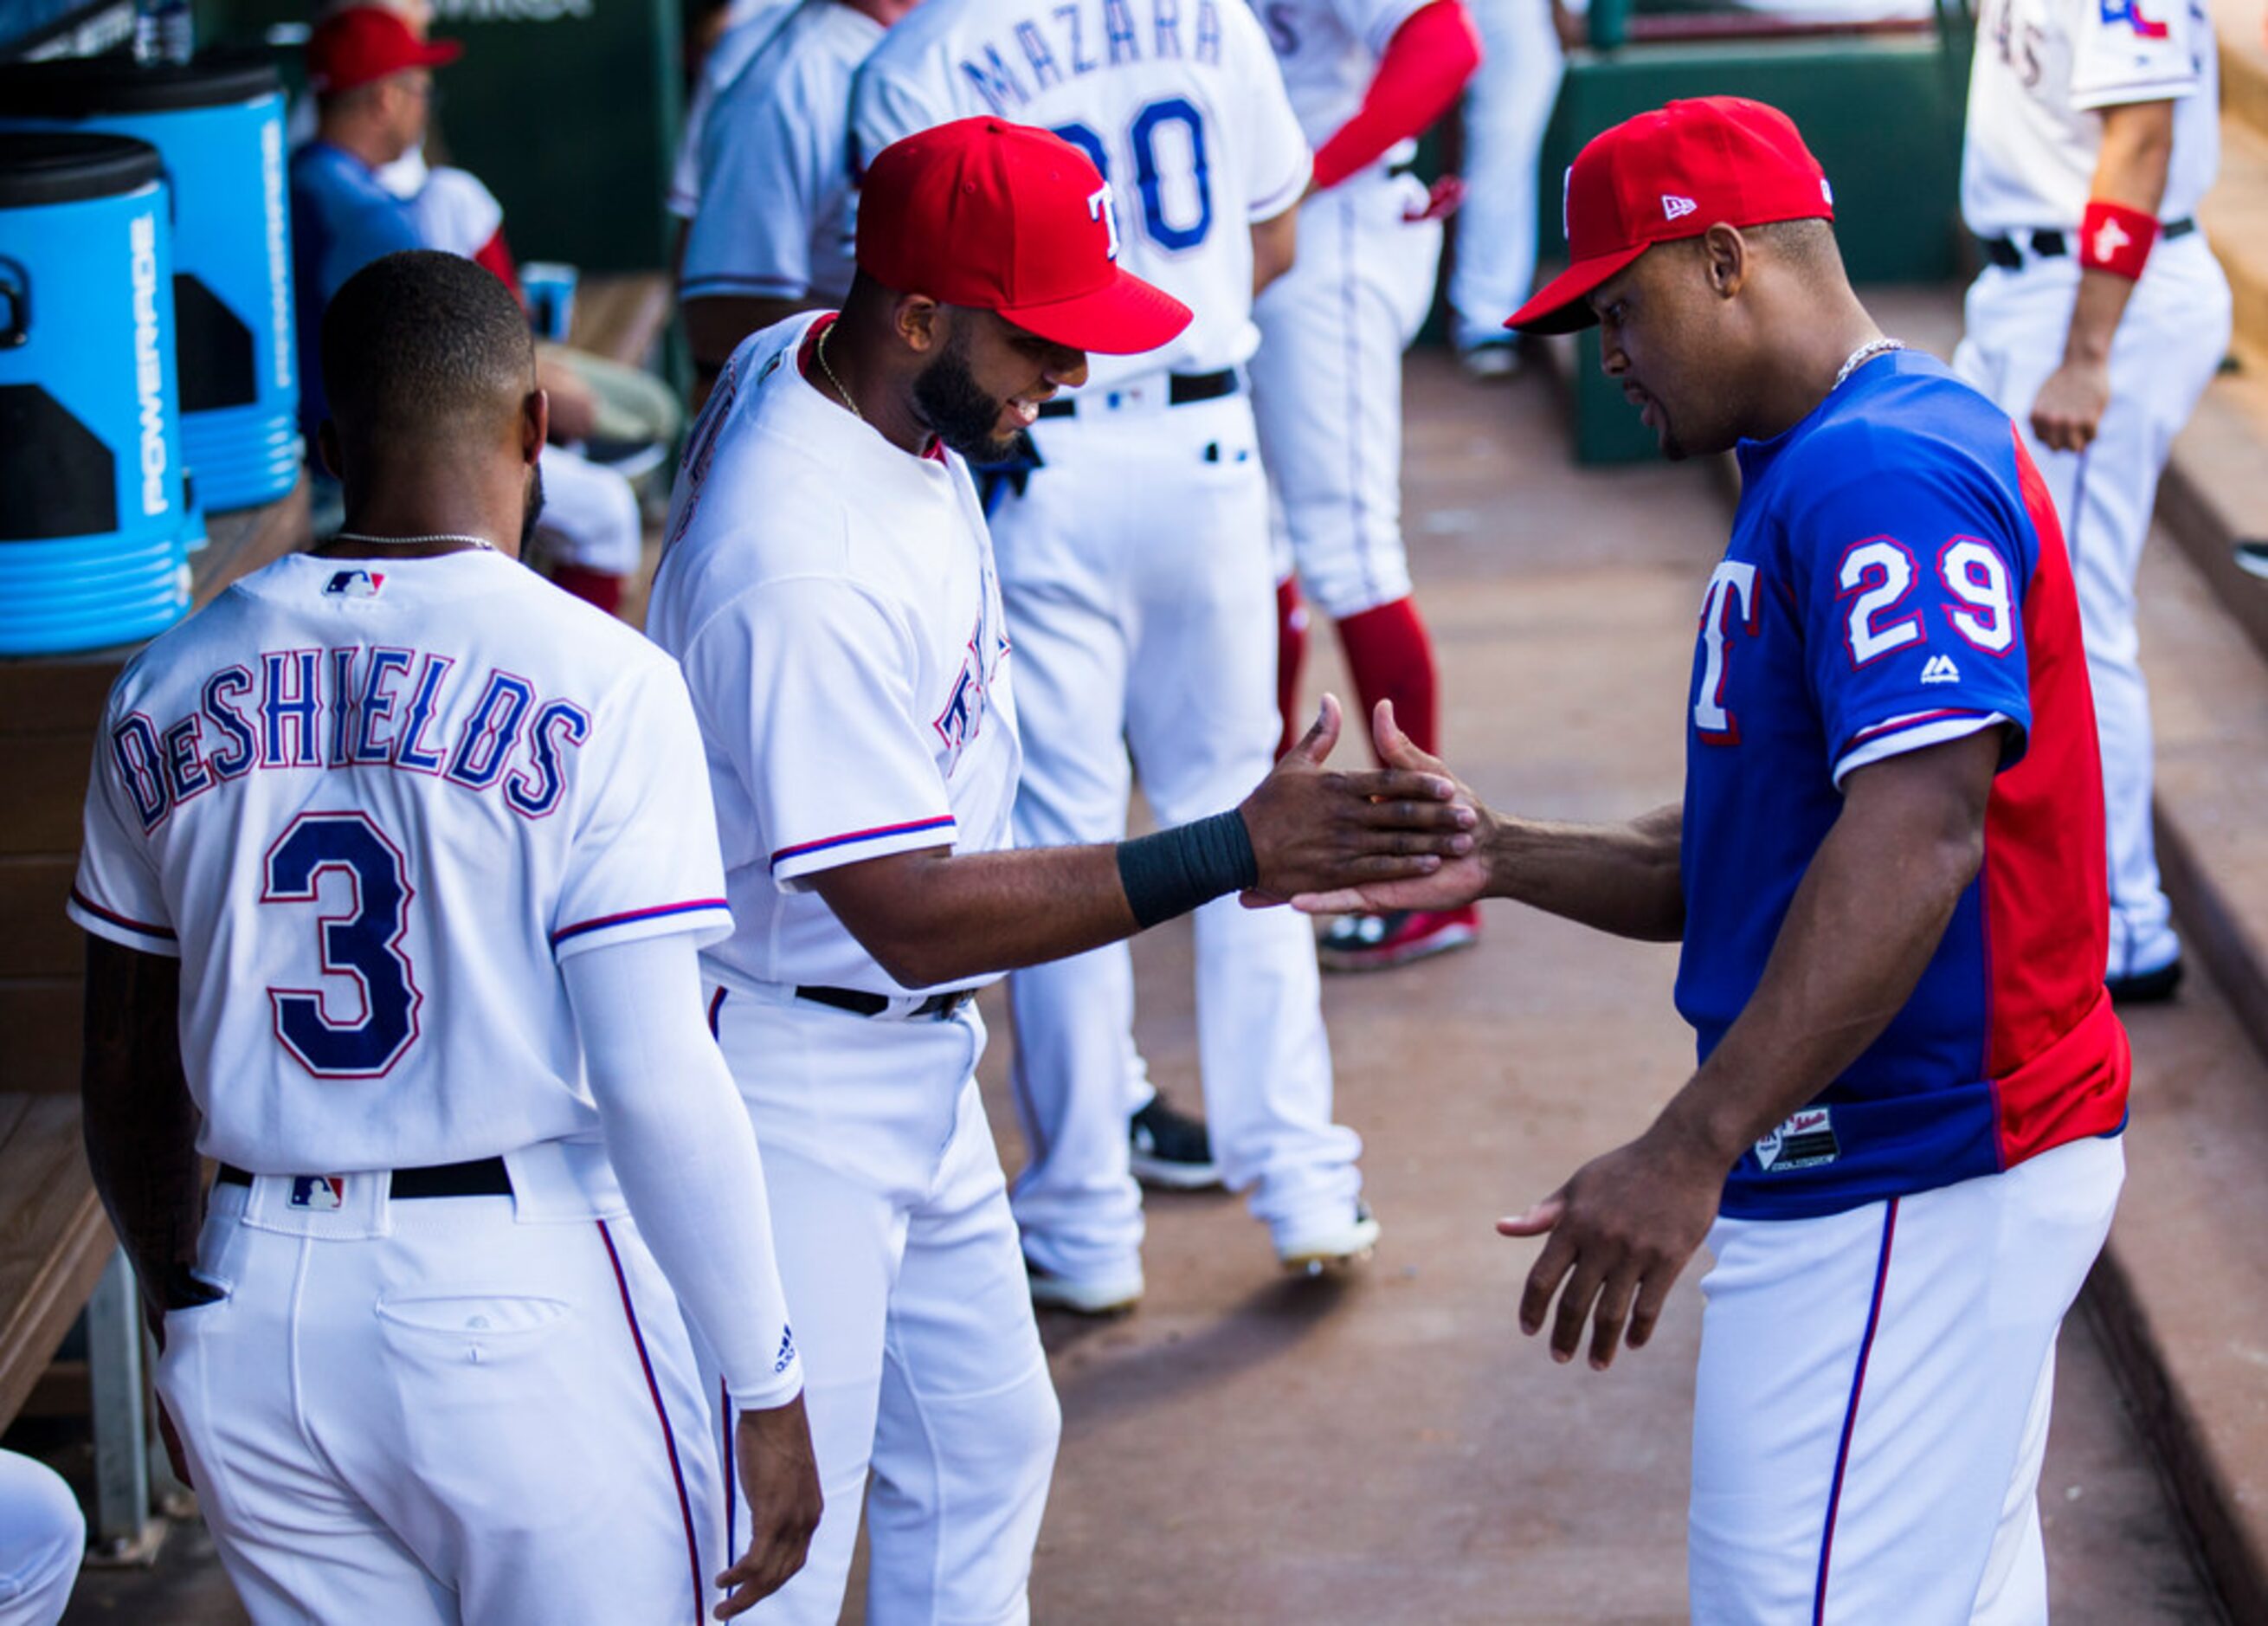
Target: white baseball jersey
[(750, 27), (774, 219), (1177, 101), (2045, 71), (1329, 50), (394, 795), (834, 601)]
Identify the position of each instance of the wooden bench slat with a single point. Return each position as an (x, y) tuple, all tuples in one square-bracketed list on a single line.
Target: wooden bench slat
[(54, 1237)]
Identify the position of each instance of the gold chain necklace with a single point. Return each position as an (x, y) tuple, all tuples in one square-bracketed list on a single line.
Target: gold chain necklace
[(819, 351)]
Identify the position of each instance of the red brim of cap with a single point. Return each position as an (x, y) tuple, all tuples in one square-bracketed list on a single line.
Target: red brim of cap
[(1125, 317), (1562, 305)]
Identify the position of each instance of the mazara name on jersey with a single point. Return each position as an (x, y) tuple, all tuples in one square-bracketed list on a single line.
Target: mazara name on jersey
[(354, 706), (1068, 41)]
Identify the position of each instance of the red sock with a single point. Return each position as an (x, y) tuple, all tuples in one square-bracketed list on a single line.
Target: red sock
[(1391, 658), (592, 587), (1291, 650)]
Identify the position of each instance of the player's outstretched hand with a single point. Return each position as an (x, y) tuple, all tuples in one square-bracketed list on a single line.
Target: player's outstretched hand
[(1460, 879), (1316, 830), (1443, 199), (2069, 408), (780, 1477), (1621, 1231)]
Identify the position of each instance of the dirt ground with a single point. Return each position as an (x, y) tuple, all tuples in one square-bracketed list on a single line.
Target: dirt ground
[(1386, 1447)]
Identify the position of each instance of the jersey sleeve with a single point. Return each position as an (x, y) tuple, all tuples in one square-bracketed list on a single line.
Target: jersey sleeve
[(116, 893), (885, 106), (2130, 50), (751, 234), (813, 679), (644, 860), (1375, 22), (1278, 161), (1910, 585)]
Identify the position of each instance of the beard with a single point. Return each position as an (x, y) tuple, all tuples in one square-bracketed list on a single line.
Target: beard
[(531, 507), (959, 412)]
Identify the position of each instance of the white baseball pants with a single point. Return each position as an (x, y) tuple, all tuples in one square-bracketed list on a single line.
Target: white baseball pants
[(927, 1389), (42, 1538), (1507, 105), (1136, 576), (2173, 335), (1327, 386), (1873, 1397), (436, 1411)]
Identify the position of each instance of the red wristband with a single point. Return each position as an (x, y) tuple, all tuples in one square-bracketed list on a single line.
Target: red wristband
[(2115, 238)]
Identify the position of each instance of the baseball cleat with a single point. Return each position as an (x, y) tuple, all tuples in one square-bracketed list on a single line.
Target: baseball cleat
[(2146, 988), (1312, 1252), (1377, 942), (1170, 1149), (1084, 1295), (1490, 360)]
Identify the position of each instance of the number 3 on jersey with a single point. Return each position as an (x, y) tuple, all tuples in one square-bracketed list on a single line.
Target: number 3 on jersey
[(1176, 197), (363, 943)]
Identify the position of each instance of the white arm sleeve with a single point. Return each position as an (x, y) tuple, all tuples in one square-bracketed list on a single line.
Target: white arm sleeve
[(686, 1155)]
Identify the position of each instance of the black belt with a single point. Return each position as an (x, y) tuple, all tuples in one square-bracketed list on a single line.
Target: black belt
[(1181, 389), (2008, 253), (858, 1003), (484, 1177)]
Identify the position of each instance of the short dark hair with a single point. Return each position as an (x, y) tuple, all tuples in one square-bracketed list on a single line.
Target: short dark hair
[(420, 345)]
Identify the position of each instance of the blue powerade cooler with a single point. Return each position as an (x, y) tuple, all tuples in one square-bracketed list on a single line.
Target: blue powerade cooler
[(219, 126), (95, 518)]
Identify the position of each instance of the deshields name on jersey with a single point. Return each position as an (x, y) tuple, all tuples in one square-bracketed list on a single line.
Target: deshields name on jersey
[(350, 707)]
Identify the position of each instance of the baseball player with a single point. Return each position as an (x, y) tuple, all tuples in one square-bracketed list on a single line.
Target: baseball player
[(2094, 134), (1365, 77), (770, 234), (829, 585), (1507, 104), (42, 1537), (1135, 572), (747, 25), (396, 861), (1901, 1144), (372, 78)]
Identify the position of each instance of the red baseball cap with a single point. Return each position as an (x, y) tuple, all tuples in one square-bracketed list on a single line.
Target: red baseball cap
[(1671, 174), (1011, 219), (366, 43)]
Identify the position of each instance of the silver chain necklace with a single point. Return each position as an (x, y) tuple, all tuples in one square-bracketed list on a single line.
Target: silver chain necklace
[(414, 542), (818, 352), (1860, 357)]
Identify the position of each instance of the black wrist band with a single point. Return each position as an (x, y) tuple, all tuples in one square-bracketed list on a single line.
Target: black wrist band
[(1173, 871)]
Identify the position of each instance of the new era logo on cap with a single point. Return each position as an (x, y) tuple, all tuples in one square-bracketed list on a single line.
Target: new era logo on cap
[(1673, 206)]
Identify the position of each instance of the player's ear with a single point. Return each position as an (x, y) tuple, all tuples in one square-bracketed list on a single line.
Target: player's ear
[(327, 445), (920, 322), (534, 424), (1725, 258)]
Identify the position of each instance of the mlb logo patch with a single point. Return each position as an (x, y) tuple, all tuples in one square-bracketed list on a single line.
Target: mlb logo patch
[(354, 584), (321, 1194), (1805, 1141)]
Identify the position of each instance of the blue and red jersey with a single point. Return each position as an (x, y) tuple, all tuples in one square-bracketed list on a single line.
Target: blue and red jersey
[(1897, 579)]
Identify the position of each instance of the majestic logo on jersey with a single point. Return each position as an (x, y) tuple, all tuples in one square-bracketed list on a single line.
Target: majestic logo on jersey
[(1805, 1141), (1940, 669), (2129, 12), (786, 1351), (354, 584), (323, 1194), (1676, 208)]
